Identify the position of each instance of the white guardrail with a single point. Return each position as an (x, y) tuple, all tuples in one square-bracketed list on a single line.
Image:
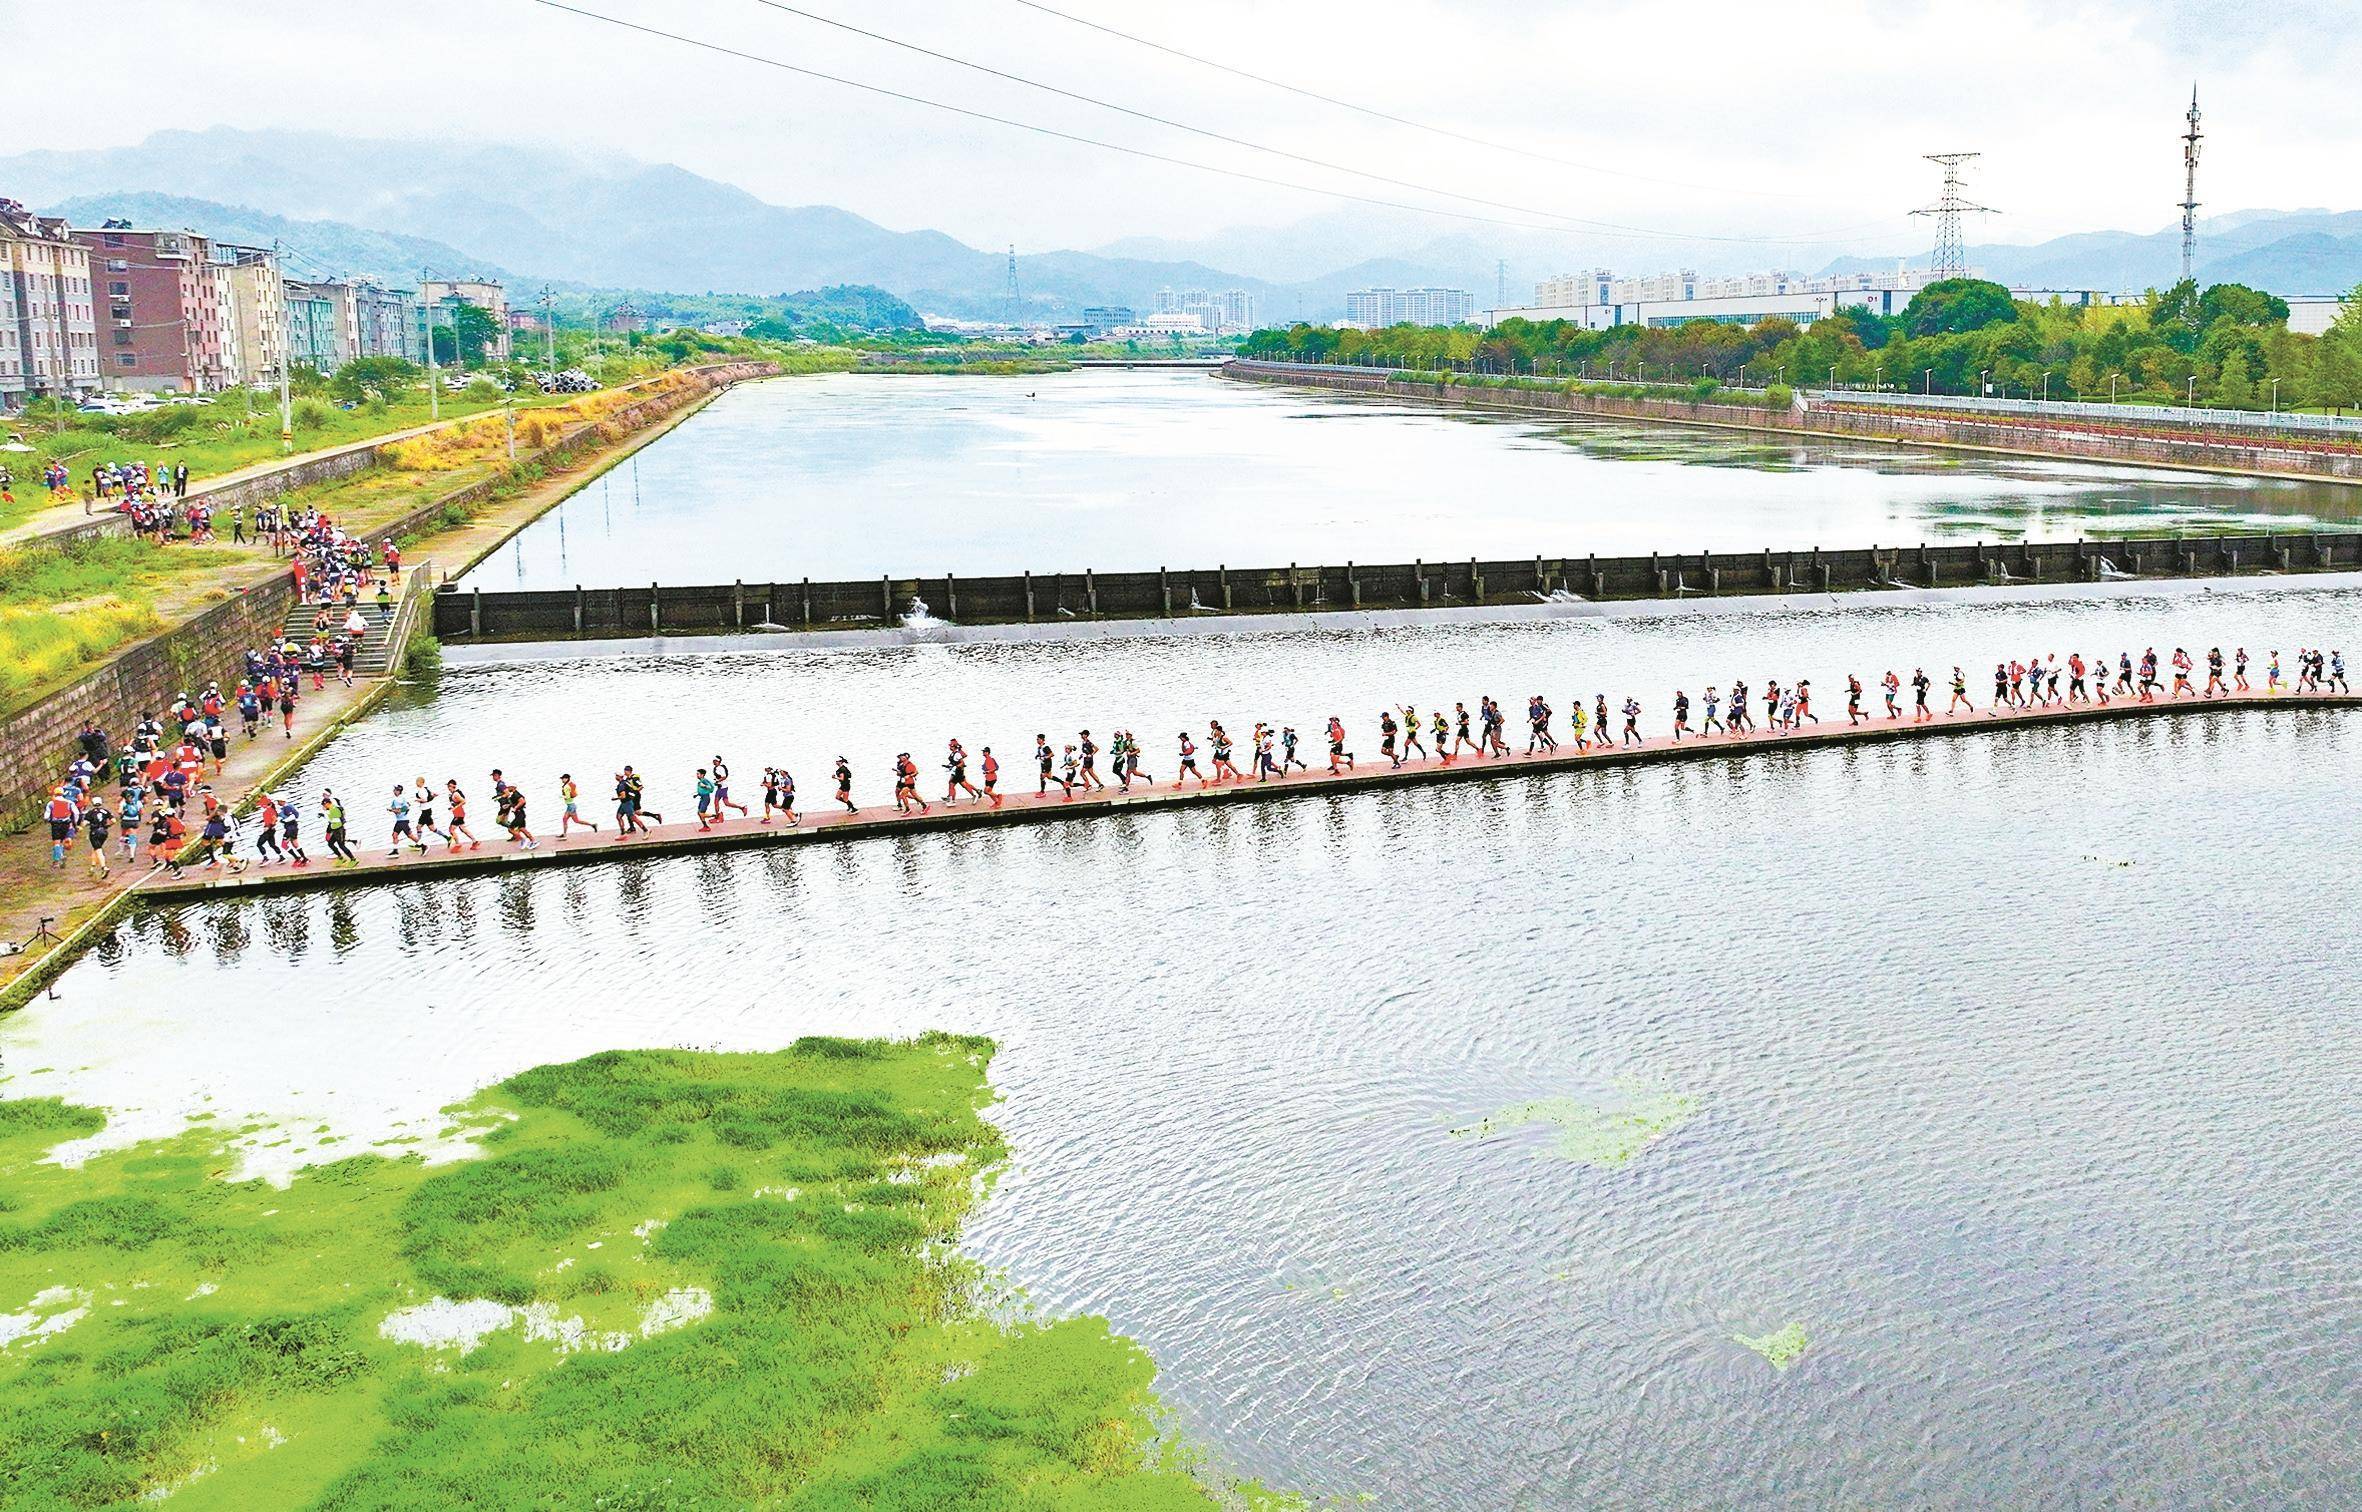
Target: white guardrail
[(2124, 414)]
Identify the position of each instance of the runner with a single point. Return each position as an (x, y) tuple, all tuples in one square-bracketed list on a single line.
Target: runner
[(1287, 747), (1042, 756), (844, 776), (400, 809), (1712, 725), (1460, 735), (2239, 672), (1410, 734), (1680, 715), (332, 811), (956, 763), (511, 799), (992, 780), (1386, 729), (1188, 763), (290, 822), (570, 796), (1853, 701), (722, 799), (424, 797), (1892, 687), (98, 821), (1090, 750), (1219, 739), (1632, 721), (1959, 695), (705, 798), (2181, 674), (1337, 751), (458, 799)]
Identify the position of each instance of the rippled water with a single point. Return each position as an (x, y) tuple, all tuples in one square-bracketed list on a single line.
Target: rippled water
[(2020, 1071), (851, 476)]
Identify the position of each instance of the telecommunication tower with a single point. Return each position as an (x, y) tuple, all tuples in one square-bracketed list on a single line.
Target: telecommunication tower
[(1015, 305), (1951, 255), (2190, 141)]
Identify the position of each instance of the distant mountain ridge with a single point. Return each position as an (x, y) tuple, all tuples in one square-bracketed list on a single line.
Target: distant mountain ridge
[(604, 220), (608, 221)]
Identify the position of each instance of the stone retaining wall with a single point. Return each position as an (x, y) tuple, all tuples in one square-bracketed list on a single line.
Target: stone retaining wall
[(36, 742), (2027, 438)]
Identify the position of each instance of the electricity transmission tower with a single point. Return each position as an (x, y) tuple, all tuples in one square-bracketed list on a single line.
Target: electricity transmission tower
[(2190, 188), (1015, 307), (1951, 256)]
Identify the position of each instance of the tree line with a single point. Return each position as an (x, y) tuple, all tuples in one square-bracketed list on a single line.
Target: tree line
[(2226, 345)]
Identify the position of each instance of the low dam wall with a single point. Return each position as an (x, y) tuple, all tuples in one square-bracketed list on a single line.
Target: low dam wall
[(462, 615), (2271, 456)]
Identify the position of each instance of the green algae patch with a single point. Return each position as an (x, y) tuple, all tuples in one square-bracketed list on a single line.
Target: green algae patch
[(1593, 1135), (1782, 1349), (609, 1306)]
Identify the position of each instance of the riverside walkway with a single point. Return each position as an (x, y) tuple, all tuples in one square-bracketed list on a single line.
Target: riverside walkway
[(834, 823)]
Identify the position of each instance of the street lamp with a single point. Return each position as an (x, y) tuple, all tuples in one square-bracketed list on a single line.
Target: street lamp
[(1832, 375), (1877, 377), (1929, 378), (2191, 402), (2112, 377), (2046, 386), (2275, 398), (1742, 375), (1984, 389)]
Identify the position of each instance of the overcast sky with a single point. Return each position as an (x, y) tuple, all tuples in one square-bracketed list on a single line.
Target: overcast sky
[(1787, 119)]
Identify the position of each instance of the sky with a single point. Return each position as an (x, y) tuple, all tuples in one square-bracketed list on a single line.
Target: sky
[(1711, 117)]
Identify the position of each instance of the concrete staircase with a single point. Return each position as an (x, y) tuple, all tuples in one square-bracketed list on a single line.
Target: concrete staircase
[(373, 656)]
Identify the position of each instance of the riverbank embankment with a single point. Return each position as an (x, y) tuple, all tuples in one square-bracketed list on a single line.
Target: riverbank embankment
[(2264, 456)]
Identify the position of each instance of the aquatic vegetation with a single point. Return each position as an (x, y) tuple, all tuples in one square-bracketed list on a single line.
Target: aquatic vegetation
[(1782, 1348), (1605, 1137), (618, 1303)]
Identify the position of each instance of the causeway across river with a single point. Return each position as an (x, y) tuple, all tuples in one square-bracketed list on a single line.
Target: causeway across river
[(832, 822)]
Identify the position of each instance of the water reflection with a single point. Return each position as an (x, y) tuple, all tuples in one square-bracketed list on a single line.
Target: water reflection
[(1132, 471)]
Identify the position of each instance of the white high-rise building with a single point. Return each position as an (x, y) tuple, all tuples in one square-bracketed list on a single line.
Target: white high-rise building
[(1373, 308)]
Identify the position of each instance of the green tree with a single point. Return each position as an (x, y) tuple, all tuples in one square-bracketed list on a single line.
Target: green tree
[(363, 376), (464, 332), (1953, 305), (2337, 362), (2234, 385), (2241, 304)]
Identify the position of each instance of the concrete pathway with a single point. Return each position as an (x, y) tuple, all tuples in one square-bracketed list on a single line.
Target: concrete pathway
[(827, 821)]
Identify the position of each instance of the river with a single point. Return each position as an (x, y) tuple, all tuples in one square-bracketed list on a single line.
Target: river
[(2018, 1071), (853, 476)]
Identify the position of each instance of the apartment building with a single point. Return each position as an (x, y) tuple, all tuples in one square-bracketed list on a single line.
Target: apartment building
[(484, 293), (1372, 309), (385, 321), (255, 343), (48, 329), (161, 304)]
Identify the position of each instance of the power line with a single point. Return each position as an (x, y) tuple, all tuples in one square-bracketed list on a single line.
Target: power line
[(1387, 115), (1129, 151), (1223, 136)]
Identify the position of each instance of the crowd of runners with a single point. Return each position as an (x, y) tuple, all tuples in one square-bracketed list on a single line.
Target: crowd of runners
[(161, 789)]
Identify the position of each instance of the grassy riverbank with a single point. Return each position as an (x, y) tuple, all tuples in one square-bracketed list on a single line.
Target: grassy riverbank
[(668, 1279)]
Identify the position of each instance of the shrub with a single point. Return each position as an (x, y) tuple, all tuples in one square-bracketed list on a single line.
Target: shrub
[(1779, 396), (423, 657), (310, 415)]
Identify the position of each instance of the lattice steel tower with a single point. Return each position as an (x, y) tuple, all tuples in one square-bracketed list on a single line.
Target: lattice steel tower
[(1015, 305), (2190, 140), (1951, 255)]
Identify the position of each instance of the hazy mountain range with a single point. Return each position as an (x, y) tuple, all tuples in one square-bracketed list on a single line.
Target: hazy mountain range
[(535, 213)]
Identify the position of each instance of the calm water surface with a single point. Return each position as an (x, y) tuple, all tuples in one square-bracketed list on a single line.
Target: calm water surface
[(851, 475), (2023, 1071)]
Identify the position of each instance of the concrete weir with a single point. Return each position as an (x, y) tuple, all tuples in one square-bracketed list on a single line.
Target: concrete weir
[(825, 822)]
